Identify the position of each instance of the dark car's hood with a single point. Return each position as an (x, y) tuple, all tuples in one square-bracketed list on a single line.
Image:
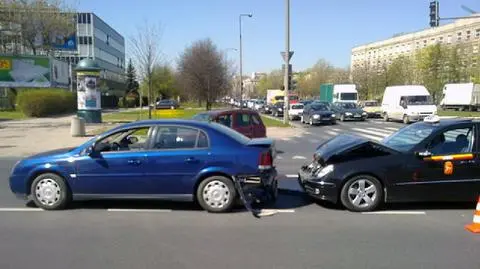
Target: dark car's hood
[(51, 153), (353, 110), (337, 145)]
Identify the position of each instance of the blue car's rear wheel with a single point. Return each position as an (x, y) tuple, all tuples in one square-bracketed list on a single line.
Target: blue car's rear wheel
[(50, 192), (216, 194)]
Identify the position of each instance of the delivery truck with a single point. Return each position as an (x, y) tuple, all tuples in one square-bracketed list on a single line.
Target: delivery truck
[(338, 93), (461, 96)]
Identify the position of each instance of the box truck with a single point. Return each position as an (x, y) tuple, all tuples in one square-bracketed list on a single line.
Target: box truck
[(407, 103), (461, 96)]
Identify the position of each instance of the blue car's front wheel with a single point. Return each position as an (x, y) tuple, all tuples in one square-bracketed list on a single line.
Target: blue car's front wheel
[(216, 194), (50, 192)]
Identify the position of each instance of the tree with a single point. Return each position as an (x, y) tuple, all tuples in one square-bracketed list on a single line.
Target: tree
[(132, 83), (164, 82), (35, 24), (430, 63), (145, 45), (205, 71), (274, 80)]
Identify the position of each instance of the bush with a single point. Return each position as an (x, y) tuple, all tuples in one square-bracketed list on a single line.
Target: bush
[(46, 102), (121, 102)]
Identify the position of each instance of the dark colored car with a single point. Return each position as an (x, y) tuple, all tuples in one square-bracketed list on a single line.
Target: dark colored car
[(167, 104), (267, 109), (168, 159), (306, 102), (348, 111), (426, 161), (316, 113), (245, 121), (277, 109)]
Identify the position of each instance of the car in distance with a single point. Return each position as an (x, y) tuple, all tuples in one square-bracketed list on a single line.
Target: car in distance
[(316, 113), (426, 161), (277, 109), (159, 159), (245, 121), (167, 104), (295, 111), (372, 107), (348, 111), (259, 105)]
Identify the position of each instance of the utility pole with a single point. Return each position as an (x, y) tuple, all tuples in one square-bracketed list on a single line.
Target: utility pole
[(286, 57), (241, 56)]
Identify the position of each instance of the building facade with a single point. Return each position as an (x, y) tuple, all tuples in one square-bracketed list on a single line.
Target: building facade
[(464, 32), (99, 41)]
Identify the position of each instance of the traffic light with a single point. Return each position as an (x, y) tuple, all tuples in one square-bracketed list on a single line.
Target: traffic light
[(434, 14)]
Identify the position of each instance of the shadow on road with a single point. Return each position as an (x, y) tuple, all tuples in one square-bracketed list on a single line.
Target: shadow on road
[(286, 200), (408, 206)]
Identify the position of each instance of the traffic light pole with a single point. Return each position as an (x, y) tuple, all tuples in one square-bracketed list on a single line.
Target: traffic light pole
[(287, 60)]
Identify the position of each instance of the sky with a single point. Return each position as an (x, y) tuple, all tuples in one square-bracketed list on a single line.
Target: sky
[(326, 29)]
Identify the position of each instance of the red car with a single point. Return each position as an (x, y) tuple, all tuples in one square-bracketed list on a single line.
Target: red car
[(244, 121)]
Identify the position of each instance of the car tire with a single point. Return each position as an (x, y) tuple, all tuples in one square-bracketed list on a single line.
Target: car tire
[(50, 192), (354, 192), (216, 194), (406, 119), (342, 117), (333, 122), (385, 117), (301, 120), (310, 121)]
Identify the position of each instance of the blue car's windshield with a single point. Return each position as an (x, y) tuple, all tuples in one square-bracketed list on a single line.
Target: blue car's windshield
[(406, 138)]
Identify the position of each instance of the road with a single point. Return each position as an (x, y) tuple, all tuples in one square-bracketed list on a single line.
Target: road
[(178, 235)]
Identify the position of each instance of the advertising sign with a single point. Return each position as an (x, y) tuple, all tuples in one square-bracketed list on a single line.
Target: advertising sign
[(66, 43), (88, 94), (60, 73), (24, 71)]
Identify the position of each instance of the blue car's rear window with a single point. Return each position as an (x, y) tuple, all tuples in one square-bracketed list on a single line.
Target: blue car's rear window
[(230, 132)]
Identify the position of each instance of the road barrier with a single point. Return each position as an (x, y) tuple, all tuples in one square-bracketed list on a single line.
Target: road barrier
[(475, 226)]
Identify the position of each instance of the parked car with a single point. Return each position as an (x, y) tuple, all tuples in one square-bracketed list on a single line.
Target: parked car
[(316, 113), (245, 121), (427, 161), (372, 107), (295, 111), (259, 105), (168, 159), (167, 104), (348, 111), (267, 109), (277, 109)]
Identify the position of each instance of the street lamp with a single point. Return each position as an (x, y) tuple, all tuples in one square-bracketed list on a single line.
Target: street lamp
[(241, 60)]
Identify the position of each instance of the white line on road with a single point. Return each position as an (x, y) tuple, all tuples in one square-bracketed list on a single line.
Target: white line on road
[(291, 176), (395, 213), (391, 128), (279, 157), (376, 132), (139, 210), (331, 132), (20, 209), (285, 139), (381, 131), (299, 158)]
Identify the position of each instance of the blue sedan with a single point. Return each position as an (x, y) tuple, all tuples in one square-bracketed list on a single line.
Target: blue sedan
[(160, 159)]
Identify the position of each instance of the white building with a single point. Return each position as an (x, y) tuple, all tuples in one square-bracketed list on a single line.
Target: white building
[(376, 54)]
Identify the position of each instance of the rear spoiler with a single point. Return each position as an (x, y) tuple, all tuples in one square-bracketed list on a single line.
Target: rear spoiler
[(266, 143)]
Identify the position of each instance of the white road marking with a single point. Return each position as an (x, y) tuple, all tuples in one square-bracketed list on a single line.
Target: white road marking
[(279, 157), (139, 210), (271, 212), (376, 133), (395, 213), (285, 139), (380, 131), (308, 133), (299, 158), (392, 128), (375, 138), (336, 129), (331, 132), (20, 209), (291, 176)]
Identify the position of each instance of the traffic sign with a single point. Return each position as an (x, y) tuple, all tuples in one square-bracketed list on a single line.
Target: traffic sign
[(284, 55)]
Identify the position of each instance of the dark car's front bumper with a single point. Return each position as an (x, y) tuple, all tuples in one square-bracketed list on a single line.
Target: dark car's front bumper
[(355, 116), (323, 119), (323, 189)]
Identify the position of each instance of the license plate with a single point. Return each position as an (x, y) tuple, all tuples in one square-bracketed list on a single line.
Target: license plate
[(357, 116)]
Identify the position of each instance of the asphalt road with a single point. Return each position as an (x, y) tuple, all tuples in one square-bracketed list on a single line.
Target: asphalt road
[(303, 234)]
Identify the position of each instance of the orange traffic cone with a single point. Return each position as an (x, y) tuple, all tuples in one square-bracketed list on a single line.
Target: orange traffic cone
[(475, 226)]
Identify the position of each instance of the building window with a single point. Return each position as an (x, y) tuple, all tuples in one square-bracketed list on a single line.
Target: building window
[(475, 49), (440, 39), (468, 34), (459, 36), (88, 18), (90, 40)]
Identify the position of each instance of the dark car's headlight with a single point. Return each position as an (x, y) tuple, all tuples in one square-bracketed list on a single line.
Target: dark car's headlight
[(325, 171)]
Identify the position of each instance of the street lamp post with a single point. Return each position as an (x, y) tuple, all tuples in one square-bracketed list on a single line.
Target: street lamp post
[(241, 59), (287, 60)]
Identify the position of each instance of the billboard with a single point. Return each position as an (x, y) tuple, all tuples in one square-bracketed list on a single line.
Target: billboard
[(65, 43), (33, 72), (88, 94)]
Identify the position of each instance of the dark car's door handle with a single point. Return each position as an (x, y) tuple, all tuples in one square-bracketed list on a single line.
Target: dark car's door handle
[(134, 162)]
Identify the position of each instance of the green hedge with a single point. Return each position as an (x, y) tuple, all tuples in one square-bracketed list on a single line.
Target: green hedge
[(46, 102)]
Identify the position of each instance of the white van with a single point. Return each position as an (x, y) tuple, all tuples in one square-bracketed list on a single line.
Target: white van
[(407, 103), (345, 93)]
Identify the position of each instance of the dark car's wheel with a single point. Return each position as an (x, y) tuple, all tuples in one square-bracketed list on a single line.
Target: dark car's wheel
[(216, 194), (50, 192), (362, 193)]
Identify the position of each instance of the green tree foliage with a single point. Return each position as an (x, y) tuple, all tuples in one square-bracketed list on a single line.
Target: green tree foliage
[(163, 80), (132, 83), (274, 80)]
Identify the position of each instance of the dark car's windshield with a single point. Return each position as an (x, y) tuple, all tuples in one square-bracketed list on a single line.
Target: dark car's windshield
[(406, 138), (319, 107), (231, 133), (348, 105)]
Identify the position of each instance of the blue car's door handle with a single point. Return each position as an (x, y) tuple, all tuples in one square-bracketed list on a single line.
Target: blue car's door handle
[(134, 162), (191, 160)]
